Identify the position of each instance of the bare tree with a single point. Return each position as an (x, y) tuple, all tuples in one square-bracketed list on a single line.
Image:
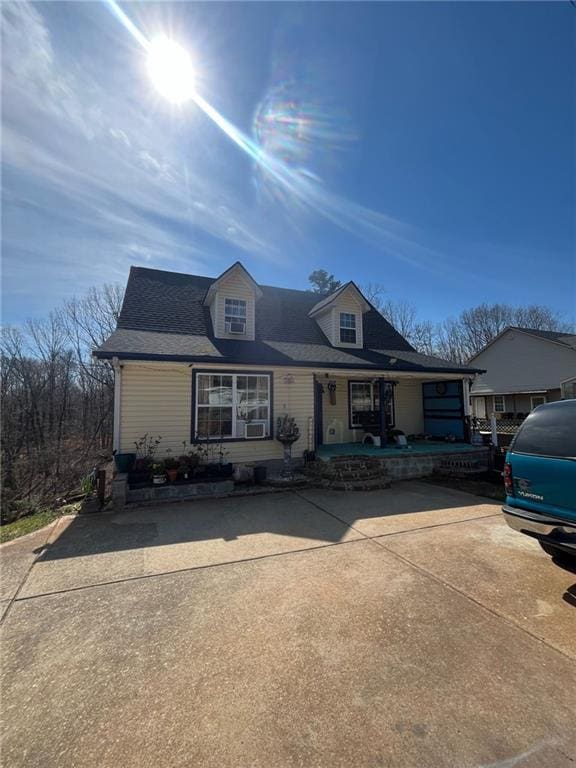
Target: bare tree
[(56, 400)]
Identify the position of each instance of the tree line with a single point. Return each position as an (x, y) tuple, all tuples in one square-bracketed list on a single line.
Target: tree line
[(56, 401), (456, 338)]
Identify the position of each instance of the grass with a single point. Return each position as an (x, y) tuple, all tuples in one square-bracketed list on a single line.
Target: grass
[(34, 522)]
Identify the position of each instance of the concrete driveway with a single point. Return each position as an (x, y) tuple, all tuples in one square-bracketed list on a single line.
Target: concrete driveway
[(406, 627)]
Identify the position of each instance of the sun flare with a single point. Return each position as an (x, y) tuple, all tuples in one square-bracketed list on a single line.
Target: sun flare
[(171, 70)]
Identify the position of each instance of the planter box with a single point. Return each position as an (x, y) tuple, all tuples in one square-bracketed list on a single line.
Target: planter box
[(178, 491)]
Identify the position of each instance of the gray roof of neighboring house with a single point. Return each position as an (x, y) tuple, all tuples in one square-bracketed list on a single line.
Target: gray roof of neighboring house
[(163, 317)]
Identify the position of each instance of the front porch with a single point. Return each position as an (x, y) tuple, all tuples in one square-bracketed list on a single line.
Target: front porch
[(359, 406)]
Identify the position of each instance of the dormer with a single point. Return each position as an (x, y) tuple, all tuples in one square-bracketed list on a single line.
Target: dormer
[(232, 300), (340, 316)]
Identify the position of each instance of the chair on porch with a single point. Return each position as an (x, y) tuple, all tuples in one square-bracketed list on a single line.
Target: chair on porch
[(370, 422)]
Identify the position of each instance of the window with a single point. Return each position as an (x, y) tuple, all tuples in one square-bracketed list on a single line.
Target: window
[(499, 404), (234, 310), (225, 403), (364, 396), (347, 328), (536, 400), (548, 432)]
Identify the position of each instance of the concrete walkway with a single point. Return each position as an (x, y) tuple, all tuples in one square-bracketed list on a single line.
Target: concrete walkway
[(406, 627)]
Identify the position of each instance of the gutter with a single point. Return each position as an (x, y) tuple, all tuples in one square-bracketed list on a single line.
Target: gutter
[(280, 363)]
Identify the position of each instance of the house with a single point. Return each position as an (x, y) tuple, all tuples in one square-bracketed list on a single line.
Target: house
[(524, 368), (222, 358)]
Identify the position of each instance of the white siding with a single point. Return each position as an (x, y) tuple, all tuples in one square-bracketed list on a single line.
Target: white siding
[(517, 362), (408, 407), (233, 286), (329, 321), (347, 302), (157, 398), (335, 417), (326, 323)]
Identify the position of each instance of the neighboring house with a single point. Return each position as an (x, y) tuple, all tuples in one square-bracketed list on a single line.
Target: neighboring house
[(524, 368), (224, 358)]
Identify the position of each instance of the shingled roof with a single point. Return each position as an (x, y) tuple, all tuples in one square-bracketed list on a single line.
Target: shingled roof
[(163, 317)]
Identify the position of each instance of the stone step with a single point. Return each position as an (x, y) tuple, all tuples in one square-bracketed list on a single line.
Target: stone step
[(349, 478)]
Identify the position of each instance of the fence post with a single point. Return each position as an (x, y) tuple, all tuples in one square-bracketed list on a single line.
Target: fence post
[(494, 430)]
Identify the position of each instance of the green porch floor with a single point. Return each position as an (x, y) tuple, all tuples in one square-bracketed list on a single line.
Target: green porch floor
[(326, 452)]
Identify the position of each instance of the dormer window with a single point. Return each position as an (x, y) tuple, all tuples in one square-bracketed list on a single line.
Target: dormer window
[(235, 316), (347, 328)]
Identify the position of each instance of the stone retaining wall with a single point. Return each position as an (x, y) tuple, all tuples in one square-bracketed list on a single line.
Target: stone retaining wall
[(412, 466), (122, 494)]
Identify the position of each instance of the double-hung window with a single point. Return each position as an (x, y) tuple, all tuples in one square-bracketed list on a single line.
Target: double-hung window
[(234, 311), (499, 403), (226, 403), (365, 396), (347, 328)]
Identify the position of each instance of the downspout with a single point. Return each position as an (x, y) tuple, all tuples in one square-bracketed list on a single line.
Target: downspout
[(117, 402)]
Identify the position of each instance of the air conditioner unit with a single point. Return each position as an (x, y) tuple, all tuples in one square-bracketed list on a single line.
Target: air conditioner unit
[(236, 326), (255, 429)]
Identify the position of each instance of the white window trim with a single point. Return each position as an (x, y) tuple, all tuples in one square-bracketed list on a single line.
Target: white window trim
[(345, 328), (236, 317), (503, 403), (234, 406), (539, 397)]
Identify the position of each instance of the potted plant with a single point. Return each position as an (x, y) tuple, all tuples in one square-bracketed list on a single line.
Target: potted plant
[(158, 473), (146, 448), (187, 464), (171, 466), (207, 453), (141, 472), (225, 468)]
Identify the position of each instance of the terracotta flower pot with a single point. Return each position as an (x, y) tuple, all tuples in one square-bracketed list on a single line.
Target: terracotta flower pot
[(172, 474)]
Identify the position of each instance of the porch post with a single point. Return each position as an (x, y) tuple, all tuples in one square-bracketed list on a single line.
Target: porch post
[(117, 404), (383, 420)]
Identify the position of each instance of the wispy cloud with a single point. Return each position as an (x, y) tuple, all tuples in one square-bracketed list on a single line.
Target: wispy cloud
[(90, 181)]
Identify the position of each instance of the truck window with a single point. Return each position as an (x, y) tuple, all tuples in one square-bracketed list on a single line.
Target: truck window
[(549, 431)]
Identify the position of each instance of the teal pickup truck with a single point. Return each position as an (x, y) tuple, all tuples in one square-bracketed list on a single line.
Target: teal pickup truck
[(540, 478)]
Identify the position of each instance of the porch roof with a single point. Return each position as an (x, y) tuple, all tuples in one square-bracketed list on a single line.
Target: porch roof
[(132, 344)]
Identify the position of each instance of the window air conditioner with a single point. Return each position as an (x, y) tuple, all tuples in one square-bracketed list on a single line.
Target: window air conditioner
[(236, 326), (254, 430)]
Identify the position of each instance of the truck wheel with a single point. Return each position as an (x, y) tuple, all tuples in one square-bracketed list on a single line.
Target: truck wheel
[(557, 553)]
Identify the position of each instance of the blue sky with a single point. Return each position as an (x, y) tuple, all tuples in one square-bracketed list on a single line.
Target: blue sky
[(433, 142)]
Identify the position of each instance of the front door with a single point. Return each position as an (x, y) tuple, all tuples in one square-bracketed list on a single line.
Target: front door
[(480, 407)]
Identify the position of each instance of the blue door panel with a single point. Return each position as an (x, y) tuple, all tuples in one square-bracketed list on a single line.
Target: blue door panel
[(443, 403)]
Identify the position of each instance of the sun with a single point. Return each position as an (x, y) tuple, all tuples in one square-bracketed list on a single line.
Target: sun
[(171, 70)]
